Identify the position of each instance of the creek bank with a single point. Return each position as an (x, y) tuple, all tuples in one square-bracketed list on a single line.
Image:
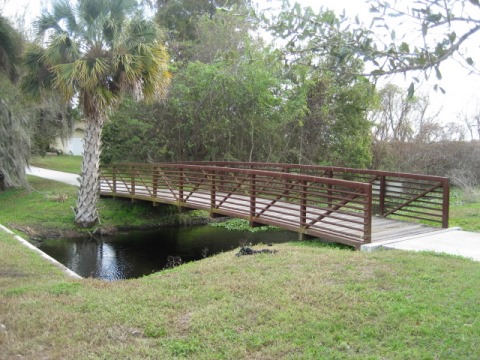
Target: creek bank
[(36, 234)]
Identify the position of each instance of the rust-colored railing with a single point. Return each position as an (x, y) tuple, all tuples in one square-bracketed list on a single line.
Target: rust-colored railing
[(400, 195), (334, 209)]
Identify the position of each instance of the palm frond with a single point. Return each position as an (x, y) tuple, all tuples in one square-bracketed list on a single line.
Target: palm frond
[(38, 75), (10, 49), (63, 11), (61, 49), (46, 22)]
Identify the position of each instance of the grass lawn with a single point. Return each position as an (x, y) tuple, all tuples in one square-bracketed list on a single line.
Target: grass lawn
[(304, 302), (66, 163), (465, 214)]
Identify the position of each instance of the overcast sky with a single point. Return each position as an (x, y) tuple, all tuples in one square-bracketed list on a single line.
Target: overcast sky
[(462, 89)]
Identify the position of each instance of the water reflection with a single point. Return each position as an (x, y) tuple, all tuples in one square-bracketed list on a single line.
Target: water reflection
[(138, 253)]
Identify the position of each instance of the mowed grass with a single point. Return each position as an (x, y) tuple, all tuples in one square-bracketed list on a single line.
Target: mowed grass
[(303, 302), (66, 163), (465, 209)]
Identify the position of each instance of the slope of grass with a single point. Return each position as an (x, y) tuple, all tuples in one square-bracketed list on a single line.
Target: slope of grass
[(301, 303)]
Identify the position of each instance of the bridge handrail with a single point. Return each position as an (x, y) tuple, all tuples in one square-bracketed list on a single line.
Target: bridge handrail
[(404, 195), (263, 197)]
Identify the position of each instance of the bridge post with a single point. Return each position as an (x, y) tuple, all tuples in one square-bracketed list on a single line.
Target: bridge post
[(132, 180), (212, 194), (253, 196), (367, 227), (303, 206), (155, 180), (180, 185), (446, 203), (114, 179)]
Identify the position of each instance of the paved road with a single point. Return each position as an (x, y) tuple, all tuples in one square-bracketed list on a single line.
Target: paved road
[(67, 178), (452, 241)]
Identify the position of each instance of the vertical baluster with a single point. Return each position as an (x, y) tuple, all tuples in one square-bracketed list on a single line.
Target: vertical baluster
[(383, 192), (329, 191)]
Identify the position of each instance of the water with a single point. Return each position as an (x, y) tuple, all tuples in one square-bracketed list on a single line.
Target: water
[(136, 253)]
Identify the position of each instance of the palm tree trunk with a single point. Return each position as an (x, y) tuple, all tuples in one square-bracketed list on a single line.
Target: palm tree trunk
[(86, 212)]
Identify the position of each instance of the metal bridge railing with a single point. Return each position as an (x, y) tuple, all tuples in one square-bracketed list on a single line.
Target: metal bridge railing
[(406, 196), (334, 209)]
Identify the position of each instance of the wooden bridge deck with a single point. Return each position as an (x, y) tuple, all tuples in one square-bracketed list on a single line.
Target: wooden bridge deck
[(335, 210)]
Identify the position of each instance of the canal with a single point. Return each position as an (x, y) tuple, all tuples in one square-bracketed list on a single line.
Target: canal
[(134, 254)]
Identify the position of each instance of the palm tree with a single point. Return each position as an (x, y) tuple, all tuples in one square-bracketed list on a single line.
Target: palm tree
[(97, 50)]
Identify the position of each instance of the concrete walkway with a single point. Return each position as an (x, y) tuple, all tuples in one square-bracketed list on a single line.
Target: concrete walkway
[(67, 178), (452, 241)]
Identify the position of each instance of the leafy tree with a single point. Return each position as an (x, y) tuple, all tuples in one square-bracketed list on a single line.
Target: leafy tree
[(443, 25), (222, 111), (336, 129), (14, 146), (96, 51), (404, 119), (181, 19)]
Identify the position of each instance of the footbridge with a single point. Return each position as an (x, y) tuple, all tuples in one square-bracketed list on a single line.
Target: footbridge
[(343, 205)]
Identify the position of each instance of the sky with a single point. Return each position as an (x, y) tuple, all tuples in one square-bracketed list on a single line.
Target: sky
[(460, 86)]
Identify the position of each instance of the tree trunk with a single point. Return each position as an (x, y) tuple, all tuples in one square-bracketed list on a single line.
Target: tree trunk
[(86, 212)]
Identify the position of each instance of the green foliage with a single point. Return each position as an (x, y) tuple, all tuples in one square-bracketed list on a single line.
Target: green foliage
[(180, 17), (444, 27), (11, 44), (230, 110), (241, 225), (336, 130)]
